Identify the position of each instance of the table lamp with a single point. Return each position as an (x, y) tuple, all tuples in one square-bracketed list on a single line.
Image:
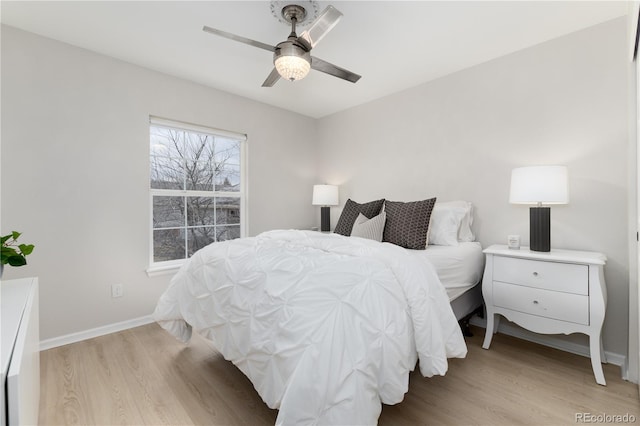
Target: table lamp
[(325, 196), (539, 185)]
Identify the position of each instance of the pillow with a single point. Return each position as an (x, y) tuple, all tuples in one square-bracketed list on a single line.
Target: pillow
[(445, 225), (351, 211), (371, 229), (464, 233), (408, 223)]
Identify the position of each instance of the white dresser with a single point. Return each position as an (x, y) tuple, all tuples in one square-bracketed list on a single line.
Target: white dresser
[(20, 351), (561, 291)]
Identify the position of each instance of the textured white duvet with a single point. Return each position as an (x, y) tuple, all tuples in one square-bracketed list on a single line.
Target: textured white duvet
[(325, 326)]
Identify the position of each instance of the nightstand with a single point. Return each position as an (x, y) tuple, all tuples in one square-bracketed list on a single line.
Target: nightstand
[(561, 291)]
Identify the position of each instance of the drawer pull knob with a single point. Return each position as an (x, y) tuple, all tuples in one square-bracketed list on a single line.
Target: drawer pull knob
[(535, 274)]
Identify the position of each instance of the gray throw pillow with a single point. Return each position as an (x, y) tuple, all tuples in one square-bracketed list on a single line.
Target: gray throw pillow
[(408, 223), (351, 211)]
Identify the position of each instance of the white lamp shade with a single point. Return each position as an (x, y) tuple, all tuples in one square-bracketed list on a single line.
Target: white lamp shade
[(539, 184), (325, 195)]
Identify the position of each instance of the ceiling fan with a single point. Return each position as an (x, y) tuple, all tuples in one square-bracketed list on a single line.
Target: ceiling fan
[(291, 57)]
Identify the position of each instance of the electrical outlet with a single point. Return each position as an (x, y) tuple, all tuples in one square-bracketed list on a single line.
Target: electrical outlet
[(116, 290)]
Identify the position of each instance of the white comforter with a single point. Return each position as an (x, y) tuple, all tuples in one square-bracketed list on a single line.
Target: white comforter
[(325, 326)]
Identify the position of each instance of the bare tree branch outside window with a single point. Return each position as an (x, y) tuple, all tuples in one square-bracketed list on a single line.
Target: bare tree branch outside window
[(195, 183)]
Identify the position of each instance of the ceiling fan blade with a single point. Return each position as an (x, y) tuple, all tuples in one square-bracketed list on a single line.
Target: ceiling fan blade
[(239, 38), (321, 26), (272, 78), (334, 70)]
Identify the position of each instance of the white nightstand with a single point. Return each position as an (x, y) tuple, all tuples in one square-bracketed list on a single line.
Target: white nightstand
[(561, 291)]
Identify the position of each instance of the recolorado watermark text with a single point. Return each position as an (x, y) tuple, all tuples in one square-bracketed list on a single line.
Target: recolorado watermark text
[(605, 418)]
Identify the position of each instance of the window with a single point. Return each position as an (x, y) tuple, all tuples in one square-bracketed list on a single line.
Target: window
[(197, 189)]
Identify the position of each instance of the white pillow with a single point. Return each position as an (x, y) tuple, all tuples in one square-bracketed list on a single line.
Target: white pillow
[(371, 229), (464, 232), (445, 224)]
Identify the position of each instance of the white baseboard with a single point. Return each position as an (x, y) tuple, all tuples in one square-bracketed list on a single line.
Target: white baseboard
[(553, 342), (94, 332)]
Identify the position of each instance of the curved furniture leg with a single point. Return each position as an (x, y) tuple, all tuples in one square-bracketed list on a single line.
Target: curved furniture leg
[(492, 328), (595, 346)]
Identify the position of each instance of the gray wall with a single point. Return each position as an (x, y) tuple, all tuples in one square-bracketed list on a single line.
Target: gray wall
[(75, 175), (458, 137)]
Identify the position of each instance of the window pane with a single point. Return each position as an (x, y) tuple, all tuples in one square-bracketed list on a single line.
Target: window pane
[(199, 176), (168, 244), (198, 147), (228, 178), (200, 211), (166, 142), (227, 151), (167, 173), (230, 232), (198, 238), (227, 210), (168, 212)]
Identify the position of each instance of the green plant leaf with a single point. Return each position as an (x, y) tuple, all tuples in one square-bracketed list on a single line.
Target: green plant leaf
[(8, 251), (4, 239), (15, 234), (17, 260), (26, 249)]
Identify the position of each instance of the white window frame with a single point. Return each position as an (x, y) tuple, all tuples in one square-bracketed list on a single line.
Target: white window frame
[(171, 266)]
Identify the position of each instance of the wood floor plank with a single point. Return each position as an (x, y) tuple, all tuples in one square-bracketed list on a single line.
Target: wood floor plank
[(114, 401), (148, 387), (145, 376), (77, 402)]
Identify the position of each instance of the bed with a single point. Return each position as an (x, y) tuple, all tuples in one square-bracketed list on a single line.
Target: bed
[(326, 326)]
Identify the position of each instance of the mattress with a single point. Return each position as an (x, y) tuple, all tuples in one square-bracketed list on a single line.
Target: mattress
[(458, 267)]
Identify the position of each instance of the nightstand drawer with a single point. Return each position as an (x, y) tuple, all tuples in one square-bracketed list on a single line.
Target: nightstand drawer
[(566, 277), (545, 303)]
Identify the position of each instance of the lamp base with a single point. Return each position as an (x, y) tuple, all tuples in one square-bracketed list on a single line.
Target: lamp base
[(540, 228), (325, 219)]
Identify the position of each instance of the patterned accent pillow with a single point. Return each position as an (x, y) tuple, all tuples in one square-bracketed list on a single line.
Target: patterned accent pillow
[(371, 229), (351, 211), (408, 223)]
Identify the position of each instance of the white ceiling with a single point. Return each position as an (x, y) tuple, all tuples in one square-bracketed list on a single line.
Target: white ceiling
[(394, 45)]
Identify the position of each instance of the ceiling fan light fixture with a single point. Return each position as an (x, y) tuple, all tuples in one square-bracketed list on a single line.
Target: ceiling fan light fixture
[(292, 62), (292, 67)]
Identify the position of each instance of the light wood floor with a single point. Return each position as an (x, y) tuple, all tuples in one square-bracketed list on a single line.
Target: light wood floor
[(144, 376)]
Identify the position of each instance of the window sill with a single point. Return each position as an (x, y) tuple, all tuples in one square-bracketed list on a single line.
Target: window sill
[(158, 270)]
